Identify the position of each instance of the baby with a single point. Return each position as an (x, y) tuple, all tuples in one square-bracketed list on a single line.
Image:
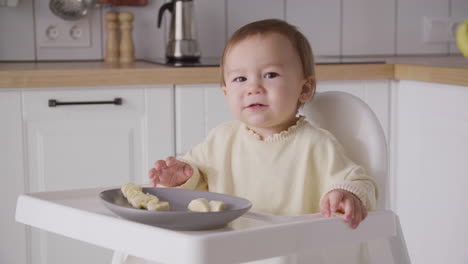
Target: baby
[(280, 162)]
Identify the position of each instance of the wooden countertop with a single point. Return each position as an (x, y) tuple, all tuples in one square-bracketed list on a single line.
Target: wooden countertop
[(439, 69)]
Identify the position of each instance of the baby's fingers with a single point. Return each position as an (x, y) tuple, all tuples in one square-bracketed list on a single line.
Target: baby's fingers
[(335, 200), (349, 211), (325, 206), (171, 161), (154, 179), (159, 165), (188, 171)]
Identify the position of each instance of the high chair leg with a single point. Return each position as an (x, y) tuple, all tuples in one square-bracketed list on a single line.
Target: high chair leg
[(398, 245)]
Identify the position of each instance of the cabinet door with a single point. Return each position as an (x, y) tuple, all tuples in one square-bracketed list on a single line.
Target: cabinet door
[(199, 108), (430, 178), (84, 146), (13, 238)]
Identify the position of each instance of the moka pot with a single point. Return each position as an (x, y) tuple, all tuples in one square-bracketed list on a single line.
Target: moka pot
[(182, 44)]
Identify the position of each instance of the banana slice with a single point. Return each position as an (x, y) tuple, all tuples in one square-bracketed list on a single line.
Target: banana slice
[(158, 206), (126, 188), (199, 205), (132, 193), (152, 197), (140, 200), (217, 206)]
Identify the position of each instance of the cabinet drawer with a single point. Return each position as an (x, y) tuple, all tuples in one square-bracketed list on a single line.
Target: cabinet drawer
[(36, 103)]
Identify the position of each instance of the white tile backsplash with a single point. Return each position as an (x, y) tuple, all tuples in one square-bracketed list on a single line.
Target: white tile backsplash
[(368, 27), (241, 12), (211, 26), (410, 15), (320, 21), (17, 32), (334, 27)]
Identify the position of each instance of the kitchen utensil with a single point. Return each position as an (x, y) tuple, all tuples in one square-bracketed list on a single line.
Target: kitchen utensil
[(71, 9), (179, 217), (182, 44), (125, 2)]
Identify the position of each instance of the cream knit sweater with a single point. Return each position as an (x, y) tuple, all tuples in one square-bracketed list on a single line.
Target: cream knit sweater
[(286, 174)]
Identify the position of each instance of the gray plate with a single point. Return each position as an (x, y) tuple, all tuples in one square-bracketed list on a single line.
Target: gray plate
[(179, 217)]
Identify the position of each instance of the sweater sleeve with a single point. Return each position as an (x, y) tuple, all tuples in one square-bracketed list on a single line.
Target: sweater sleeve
[(344, 174), (198, 180)]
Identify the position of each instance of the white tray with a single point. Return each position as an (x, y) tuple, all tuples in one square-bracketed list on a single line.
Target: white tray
[(80, 214)]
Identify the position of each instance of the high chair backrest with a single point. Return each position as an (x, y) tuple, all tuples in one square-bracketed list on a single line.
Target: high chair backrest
[(358, 130)]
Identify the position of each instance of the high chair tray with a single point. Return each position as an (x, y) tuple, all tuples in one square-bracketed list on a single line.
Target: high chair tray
[(79, 214)]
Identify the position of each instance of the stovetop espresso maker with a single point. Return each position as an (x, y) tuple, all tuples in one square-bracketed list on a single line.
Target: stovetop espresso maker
[(182, 44)]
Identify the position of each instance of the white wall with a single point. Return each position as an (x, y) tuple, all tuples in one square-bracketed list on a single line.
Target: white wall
[(334, 27)]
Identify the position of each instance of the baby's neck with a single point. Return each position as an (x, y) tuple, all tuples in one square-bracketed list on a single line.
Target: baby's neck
[(266, 132)]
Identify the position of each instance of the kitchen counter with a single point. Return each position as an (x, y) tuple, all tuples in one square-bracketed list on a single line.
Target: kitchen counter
[(438, 69)]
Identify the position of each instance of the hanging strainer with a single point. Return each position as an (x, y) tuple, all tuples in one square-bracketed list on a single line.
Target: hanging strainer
[(71, 9)]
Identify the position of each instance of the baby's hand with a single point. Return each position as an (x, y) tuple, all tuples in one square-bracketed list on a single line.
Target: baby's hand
[(170, 173), (343, 202)]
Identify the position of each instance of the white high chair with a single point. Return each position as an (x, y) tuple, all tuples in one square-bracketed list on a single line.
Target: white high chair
[(79, 214), (357, 128)]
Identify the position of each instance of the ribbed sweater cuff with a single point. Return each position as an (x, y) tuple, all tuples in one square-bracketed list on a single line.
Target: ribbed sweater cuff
[(195, 181), (355, 188)]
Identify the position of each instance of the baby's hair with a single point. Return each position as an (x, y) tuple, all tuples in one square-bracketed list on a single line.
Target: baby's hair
[(268, 26)]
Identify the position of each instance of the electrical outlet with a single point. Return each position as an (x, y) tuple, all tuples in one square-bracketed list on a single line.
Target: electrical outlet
[(63, 34), (440, 29), (58, 39)]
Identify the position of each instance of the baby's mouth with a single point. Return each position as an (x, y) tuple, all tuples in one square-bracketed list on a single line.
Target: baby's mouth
[(255, 106)]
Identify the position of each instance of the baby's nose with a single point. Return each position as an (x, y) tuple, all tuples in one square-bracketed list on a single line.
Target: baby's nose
[(255, 88)]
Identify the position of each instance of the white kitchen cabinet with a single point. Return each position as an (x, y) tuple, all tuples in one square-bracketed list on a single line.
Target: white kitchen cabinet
[(198, 108), (13, 239), (82, 146), (429, 181)]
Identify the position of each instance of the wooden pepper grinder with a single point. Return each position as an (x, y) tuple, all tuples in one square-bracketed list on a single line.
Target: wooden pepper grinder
[(112, 40), (127, 50)]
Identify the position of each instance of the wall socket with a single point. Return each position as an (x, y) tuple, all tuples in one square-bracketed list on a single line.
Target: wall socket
[(54, 32), (58, 39), (438, 30)]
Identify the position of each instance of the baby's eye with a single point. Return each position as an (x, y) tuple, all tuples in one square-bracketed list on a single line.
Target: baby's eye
[(240, 79), (271, 75)]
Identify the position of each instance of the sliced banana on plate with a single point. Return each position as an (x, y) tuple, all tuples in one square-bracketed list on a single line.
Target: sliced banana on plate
[(202, 205), (154, 205), (138, 199), (199, 205), (217, 206)]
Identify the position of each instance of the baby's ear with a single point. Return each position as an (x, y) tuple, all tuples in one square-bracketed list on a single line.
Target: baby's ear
[(308, 89)]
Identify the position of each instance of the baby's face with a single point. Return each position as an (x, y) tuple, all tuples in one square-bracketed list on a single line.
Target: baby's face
[(264, 80)]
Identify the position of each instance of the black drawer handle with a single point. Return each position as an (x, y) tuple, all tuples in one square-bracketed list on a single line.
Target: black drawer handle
[(54, 103)]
